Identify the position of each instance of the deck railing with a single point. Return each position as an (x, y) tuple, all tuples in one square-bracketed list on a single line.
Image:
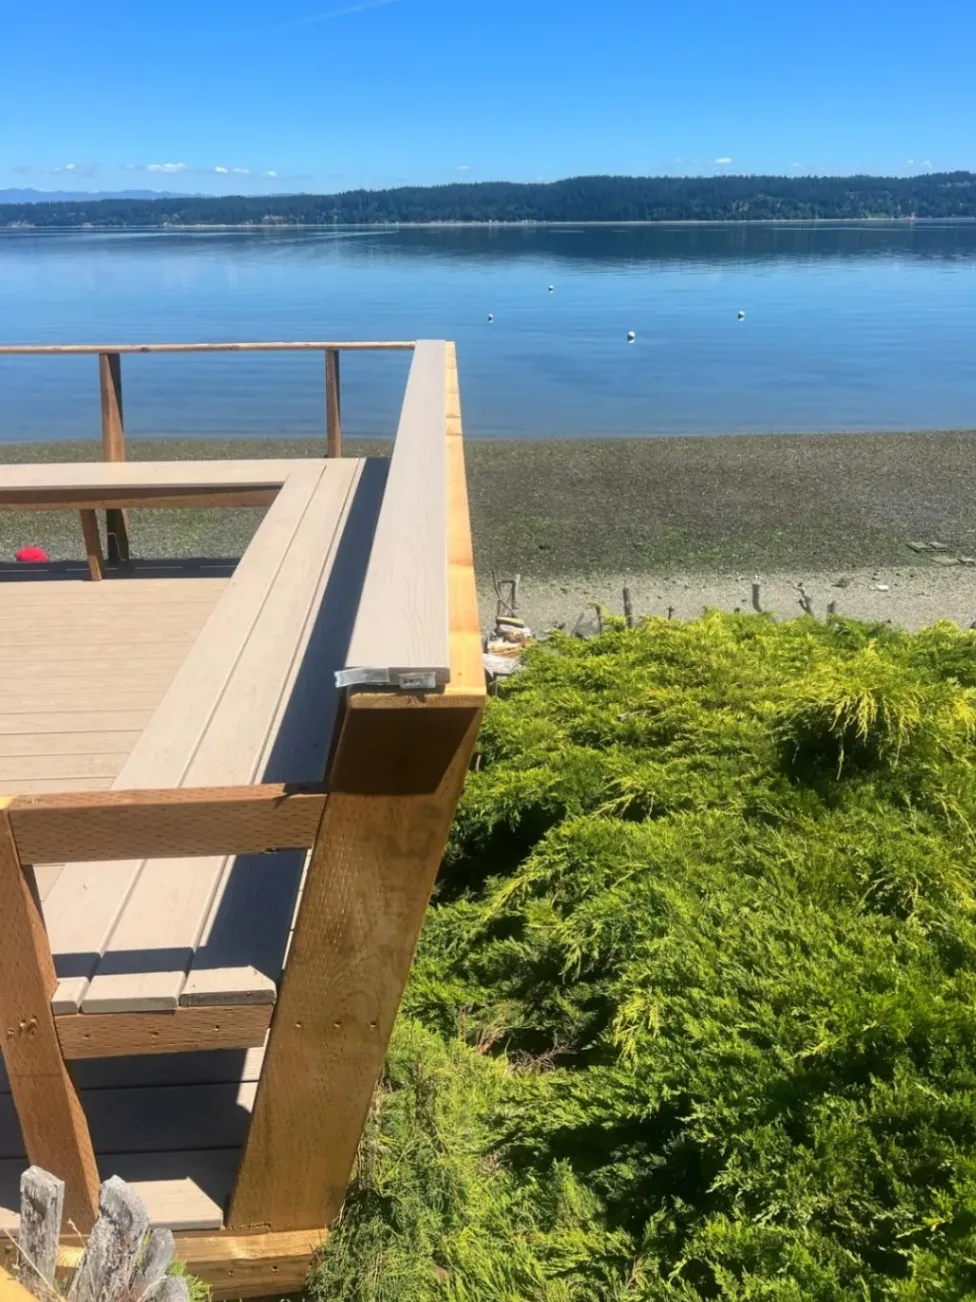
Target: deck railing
[(110, 387)]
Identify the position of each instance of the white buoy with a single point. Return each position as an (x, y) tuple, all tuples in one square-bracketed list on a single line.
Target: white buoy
[(742, 315), (552, 289), (631, 336), (491, 317)]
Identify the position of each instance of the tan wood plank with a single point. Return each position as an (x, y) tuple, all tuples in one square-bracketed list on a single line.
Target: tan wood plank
[(70, 743), (11, 1290), (27, 767), (177, 822), (171, 899), (51, 1119), (270, 473), (165, 748), (402, 626), (36, 786), (41, 723), (252, 1265), (184, 1030), (31, 699), (54, 594), (209, 1067), (115, 500), (46, 874), (349, 346)]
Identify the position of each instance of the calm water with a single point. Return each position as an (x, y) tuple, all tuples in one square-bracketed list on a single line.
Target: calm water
[(867, 327)]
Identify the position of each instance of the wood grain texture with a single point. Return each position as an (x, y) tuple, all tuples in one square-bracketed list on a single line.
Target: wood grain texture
[(182, 822), (251, 1265), (53, 1125), (11, 1290), (363, 902), (168, 905), (93, 544), (333, 405), (184, 1030), (402, 625)]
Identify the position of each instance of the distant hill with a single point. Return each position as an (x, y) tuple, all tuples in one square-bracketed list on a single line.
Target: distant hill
[(579, 199), (81, 196)]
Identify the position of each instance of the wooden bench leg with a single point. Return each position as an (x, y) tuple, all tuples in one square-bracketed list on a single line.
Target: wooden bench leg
[(50, 1113), (93, 543), (117, 535), (373, 865)]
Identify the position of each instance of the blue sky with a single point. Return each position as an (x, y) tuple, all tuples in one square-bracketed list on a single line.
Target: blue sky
[(242, 96)]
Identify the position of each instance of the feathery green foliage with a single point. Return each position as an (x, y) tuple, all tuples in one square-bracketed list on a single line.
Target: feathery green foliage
[(694, 1012)]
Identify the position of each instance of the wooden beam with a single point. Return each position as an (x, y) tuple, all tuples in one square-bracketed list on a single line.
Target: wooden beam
[(169, 823), (48, 1108), (250, 1265), (11, 1290), (372, 868), (333, 404), (304, 345), (113, 448), (111, 499), (93, 544), (185, 1030)]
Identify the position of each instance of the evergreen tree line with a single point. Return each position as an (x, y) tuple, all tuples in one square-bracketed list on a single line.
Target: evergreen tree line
[(578, 199)]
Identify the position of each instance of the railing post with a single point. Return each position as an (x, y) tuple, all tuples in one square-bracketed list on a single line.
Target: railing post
[(113, 447), (333, 404)]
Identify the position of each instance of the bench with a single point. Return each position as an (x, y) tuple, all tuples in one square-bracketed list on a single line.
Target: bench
[(330, 703)]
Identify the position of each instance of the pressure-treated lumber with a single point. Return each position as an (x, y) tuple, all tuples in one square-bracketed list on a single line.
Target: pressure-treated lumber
[(113, 448), (51, 1117), (333, 405), (172, 822), (369, 879), (11, 1290), (183, 1030), (93, 543)]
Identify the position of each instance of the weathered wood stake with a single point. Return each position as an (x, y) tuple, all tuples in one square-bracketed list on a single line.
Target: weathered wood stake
[(333, 404), (628, 609), (113, 448)]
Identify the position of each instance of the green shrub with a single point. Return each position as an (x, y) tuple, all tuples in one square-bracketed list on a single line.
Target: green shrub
[(694, 1013)]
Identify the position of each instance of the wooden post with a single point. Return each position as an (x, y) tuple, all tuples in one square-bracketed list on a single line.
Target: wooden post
[(395, 778), (333, 404), (113, 447), (628, 608), (365, 895), (93, 543), (48, 1108)]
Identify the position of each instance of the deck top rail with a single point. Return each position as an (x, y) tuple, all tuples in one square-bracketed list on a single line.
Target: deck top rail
[(301, 345)]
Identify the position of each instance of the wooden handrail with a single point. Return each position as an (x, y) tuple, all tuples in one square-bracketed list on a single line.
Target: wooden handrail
[(21, 350)]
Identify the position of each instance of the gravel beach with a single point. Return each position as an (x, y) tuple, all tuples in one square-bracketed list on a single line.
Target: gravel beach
[(685, 523)]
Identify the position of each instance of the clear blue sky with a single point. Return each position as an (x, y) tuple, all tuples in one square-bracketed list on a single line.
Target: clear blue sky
[(318, 96)]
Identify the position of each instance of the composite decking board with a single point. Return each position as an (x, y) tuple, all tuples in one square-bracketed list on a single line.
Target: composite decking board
[(403, 615), (149, 474), (46, 874), (249, 921), (182, 1191), (214, 1067), (42, 723), (66, 743), (153, 1118), (166, 747), (144, 964), (50, 786), (27, 767)]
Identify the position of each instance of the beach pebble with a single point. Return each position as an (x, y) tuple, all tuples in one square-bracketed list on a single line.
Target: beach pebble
[(942, 559), (842, 582), (938, 547), (919, 546), (881, 587), (967, 560)]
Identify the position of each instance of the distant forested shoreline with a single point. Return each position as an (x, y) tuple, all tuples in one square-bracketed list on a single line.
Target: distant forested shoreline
[(578, 199)]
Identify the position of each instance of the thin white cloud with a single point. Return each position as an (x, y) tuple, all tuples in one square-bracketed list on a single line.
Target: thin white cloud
[(273, 176), (241, 171), (221, 171), (167, 167), (721, 162), (341, 13), (72, 169), (463, 167)]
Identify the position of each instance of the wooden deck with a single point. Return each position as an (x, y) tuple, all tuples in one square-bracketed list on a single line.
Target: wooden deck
[(83, 667), (281, 745)]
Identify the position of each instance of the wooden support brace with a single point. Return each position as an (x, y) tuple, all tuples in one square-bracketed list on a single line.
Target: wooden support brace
[(93, 543), (50, 1113), (182, 822), (113, 448), (333, 404)]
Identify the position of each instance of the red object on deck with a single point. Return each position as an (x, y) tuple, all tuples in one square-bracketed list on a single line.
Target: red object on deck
[(31, 554)]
